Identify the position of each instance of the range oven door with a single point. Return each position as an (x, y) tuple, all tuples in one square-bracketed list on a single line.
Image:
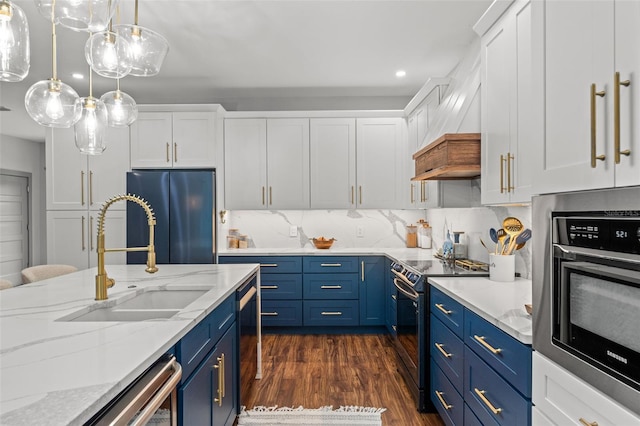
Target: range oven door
[(408, 325), (596, 313)]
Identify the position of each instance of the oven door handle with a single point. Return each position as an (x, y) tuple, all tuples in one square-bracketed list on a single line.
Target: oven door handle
[(571, 253), (413, 296), (402, 277), (247, 297)]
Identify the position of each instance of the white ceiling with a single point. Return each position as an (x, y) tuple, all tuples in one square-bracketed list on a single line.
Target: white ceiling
[(267, 55)]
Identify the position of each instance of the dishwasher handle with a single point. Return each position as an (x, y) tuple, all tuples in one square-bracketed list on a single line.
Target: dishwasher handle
[(167, 389)]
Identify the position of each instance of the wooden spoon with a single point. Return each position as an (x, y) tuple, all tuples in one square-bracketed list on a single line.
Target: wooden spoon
[(513, 227)]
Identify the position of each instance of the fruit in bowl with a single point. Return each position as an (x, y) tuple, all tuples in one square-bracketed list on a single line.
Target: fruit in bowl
[(322, 242)]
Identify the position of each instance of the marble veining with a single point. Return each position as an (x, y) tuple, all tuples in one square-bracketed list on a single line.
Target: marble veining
[(61, 373), (502, 304)]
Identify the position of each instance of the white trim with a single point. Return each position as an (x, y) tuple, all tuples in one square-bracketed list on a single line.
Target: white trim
[(181, 108), (492, 14), (424, 91), (316, 114)]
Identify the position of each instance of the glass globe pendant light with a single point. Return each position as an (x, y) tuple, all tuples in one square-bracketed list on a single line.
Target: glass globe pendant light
[(147, 48), (51, 102), (14, 43), (121, 108), (91, 129), (108, 54), (79, 15)]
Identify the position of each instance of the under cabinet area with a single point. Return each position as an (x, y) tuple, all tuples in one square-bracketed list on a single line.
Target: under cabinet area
[(164, 139), (479, 374), (588, 62), (507, 119)]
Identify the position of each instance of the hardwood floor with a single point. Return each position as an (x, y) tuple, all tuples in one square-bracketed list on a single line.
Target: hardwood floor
[(317, 370)]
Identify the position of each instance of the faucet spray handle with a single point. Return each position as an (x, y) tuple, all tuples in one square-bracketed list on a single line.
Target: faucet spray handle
[(151, 261)]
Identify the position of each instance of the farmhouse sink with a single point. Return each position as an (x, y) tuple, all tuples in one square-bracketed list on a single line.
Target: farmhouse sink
[(149, 305)]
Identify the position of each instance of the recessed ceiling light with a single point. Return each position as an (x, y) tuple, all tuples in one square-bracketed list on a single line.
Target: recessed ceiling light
[(401, 73), (77, 76)]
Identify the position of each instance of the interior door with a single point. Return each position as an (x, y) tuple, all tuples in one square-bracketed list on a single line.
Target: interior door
[(14, 226)]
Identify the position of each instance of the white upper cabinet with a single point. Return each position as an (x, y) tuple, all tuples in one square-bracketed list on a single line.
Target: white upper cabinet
[(333, 163), (507, 122), (173, 139), (266, 163), (379, 162), (79, 182), (584, 45)]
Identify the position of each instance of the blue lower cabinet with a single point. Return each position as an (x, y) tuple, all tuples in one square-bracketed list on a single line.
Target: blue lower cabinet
[(206, 398), (492, 399), (470, 419), (373, 274), (330, 312), (447, 350), (281, 313), (446, 398), (281, 286)]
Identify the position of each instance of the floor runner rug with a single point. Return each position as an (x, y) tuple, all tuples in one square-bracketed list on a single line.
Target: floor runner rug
[(343, 416)]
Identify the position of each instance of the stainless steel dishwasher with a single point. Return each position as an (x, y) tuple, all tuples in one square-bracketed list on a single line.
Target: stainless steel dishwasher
[(249, 326)]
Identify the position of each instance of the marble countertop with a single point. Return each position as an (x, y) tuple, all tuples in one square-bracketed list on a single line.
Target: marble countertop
[(61, 373), (500, 303)]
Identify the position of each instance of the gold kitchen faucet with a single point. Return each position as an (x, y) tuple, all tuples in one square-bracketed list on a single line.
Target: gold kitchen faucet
[(103, 282)]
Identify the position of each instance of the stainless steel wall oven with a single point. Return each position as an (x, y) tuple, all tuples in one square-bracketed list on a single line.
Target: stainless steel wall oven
[(586, 290)]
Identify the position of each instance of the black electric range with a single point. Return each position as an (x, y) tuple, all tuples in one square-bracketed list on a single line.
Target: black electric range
[(412, 336)]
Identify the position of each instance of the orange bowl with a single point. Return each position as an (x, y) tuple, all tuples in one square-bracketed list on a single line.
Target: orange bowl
[(322, 242)]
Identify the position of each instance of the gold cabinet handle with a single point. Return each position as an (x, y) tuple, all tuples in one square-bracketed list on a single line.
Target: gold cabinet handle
[(616, 117), (442, 351), (594, 157), (484, 399), (263, 195), (360, 189), (395, 328), (90, 188), (81, 187), (509, 158), (442, 309), (502, 160), (175, 152), (442, 401), (423, 191), (331, 313), (484, 343), (412, 200), (394, 297), (362, 270), (269, 314), (331, 265), (168, 152), (220, 367), (270, 195), (269, 287), (82, 227), (268, 265), (330, 287), (586, 423), (352, 189), (91, 233)]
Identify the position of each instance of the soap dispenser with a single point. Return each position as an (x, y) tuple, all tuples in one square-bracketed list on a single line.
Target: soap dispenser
[(447, 246)]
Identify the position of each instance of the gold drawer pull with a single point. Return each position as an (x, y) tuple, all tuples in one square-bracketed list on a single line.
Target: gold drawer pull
[(395, 328), (586, 423), (328, 287), (175, 152), (269, 314), (442, 401), (444, 311), (220, 367), (439, 346), (268, 265), (484, 399), (168, 152), (331, 313), (269, 287), (331, 265), (486, 345)]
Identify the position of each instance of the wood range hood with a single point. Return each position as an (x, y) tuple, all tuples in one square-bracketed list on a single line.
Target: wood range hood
[(453, 156)]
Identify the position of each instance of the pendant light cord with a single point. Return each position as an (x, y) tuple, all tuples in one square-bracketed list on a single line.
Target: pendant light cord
[(135, 16), (54, 74)]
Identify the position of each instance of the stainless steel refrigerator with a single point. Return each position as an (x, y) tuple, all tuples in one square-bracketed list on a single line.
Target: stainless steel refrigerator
[(183, 202)]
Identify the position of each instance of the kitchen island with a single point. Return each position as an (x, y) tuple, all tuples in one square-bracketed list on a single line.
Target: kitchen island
[(60, 372)]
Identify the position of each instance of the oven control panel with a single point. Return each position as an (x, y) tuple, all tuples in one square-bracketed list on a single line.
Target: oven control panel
[(610, 234)]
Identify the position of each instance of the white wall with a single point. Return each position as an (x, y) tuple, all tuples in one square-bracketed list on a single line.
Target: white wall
[(28, 157)]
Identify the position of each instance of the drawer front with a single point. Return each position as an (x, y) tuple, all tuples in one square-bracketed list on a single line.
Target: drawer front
[(485, 390), (330, 286), (269, 264), (330, 264), (447, 310), (331, 312), (281, 313), (513, 358), (447, 350), (446, 398), (193, 347), (470, 419), (281, 286)]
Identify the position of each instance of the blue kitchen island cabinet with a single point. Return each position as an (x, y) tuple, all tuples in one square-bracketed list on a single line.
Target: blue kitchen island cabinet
[(208, 392), (479, 374)]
